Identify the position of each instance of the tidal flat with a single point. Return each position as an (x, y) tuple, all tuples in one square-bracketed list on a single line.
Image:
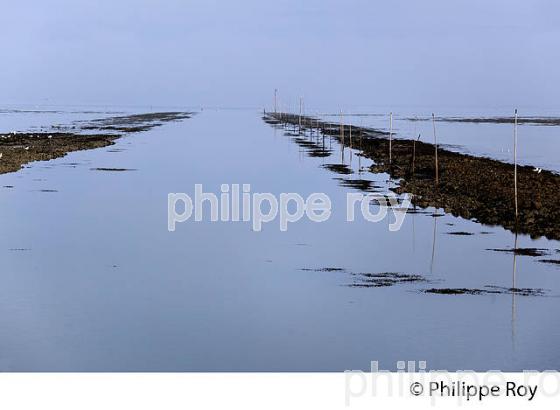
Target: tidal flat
[(92, 280)]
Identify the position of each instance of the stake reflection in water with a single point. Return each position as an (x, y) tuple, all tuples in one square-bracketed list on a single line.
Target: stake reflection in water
[(513, 286), (434, 243)]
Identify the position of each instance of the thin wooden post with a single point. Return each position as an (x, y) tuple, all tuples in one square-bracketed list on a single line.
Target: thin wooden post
[(414, 146), (391, 138), (436, 148), (300, 112), (342, 136), (361, 152), (341, 130), (515, 164), (413, 156)]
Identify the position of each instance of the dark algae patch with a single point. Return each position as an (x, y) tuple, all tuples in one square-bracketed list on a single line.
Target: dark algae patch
[(469, 187), (45, 146), (460, 233), (133, 123), (550, 261), (487, 290), (523, 251), (113, 169), (384, 279), (373, 280)]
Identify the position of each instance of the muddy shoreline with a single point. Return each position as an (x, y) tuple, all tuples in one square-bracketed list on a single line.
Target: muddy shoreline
[(20, 148), (474, 188)]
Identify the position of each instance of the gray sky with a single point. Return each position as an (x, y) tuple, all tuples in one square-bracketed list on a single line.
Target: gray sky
[(234, 53)]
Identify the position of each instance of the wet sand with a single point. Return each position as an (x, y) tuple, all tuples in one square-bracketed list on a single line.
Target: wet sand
[(475, 188)]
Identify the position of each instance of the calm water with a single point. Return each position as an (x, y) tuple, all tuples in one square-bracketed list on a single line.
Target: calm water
[(538, 145), (91, 280)]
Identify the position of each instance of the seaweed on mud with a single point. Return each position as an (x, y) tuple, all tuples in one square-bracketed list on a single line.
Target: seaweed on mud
[(327, 269), (487, 290), (18, 149), (113, 169), (384, 279), (453, 291), (516, 291), (535, 252), (485, 195), (460, 233), (136, 122), (44, 147)]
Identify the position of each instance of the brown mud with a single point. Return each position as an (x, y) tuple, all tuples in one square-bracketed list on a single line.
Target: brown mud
[(20, 148)]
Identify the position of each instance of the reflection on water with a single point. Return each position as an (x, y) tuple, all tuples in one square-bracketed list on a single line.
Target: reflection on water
[(513, 286), (102, 284)]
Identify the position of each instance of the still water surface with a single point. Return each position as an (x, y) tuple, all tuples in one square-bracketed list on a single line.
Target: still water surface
[(91, 280)]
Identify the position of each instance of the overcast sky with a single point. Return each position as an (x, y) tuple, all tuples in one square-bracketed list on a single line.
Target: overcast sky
[(234, 53)]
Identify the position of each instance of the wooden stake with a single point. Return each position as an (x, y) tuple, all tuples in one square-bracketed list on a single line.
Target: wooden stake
[(515, 164), (391, 138), (342, 137), (414, 147), (300, 112), (436, 148), (361, 152), (341, 130), (414, 154)]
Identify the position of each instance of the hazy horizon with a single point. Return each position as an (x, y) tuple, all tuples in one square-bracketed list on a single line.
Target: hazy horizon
[(217, 53)]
